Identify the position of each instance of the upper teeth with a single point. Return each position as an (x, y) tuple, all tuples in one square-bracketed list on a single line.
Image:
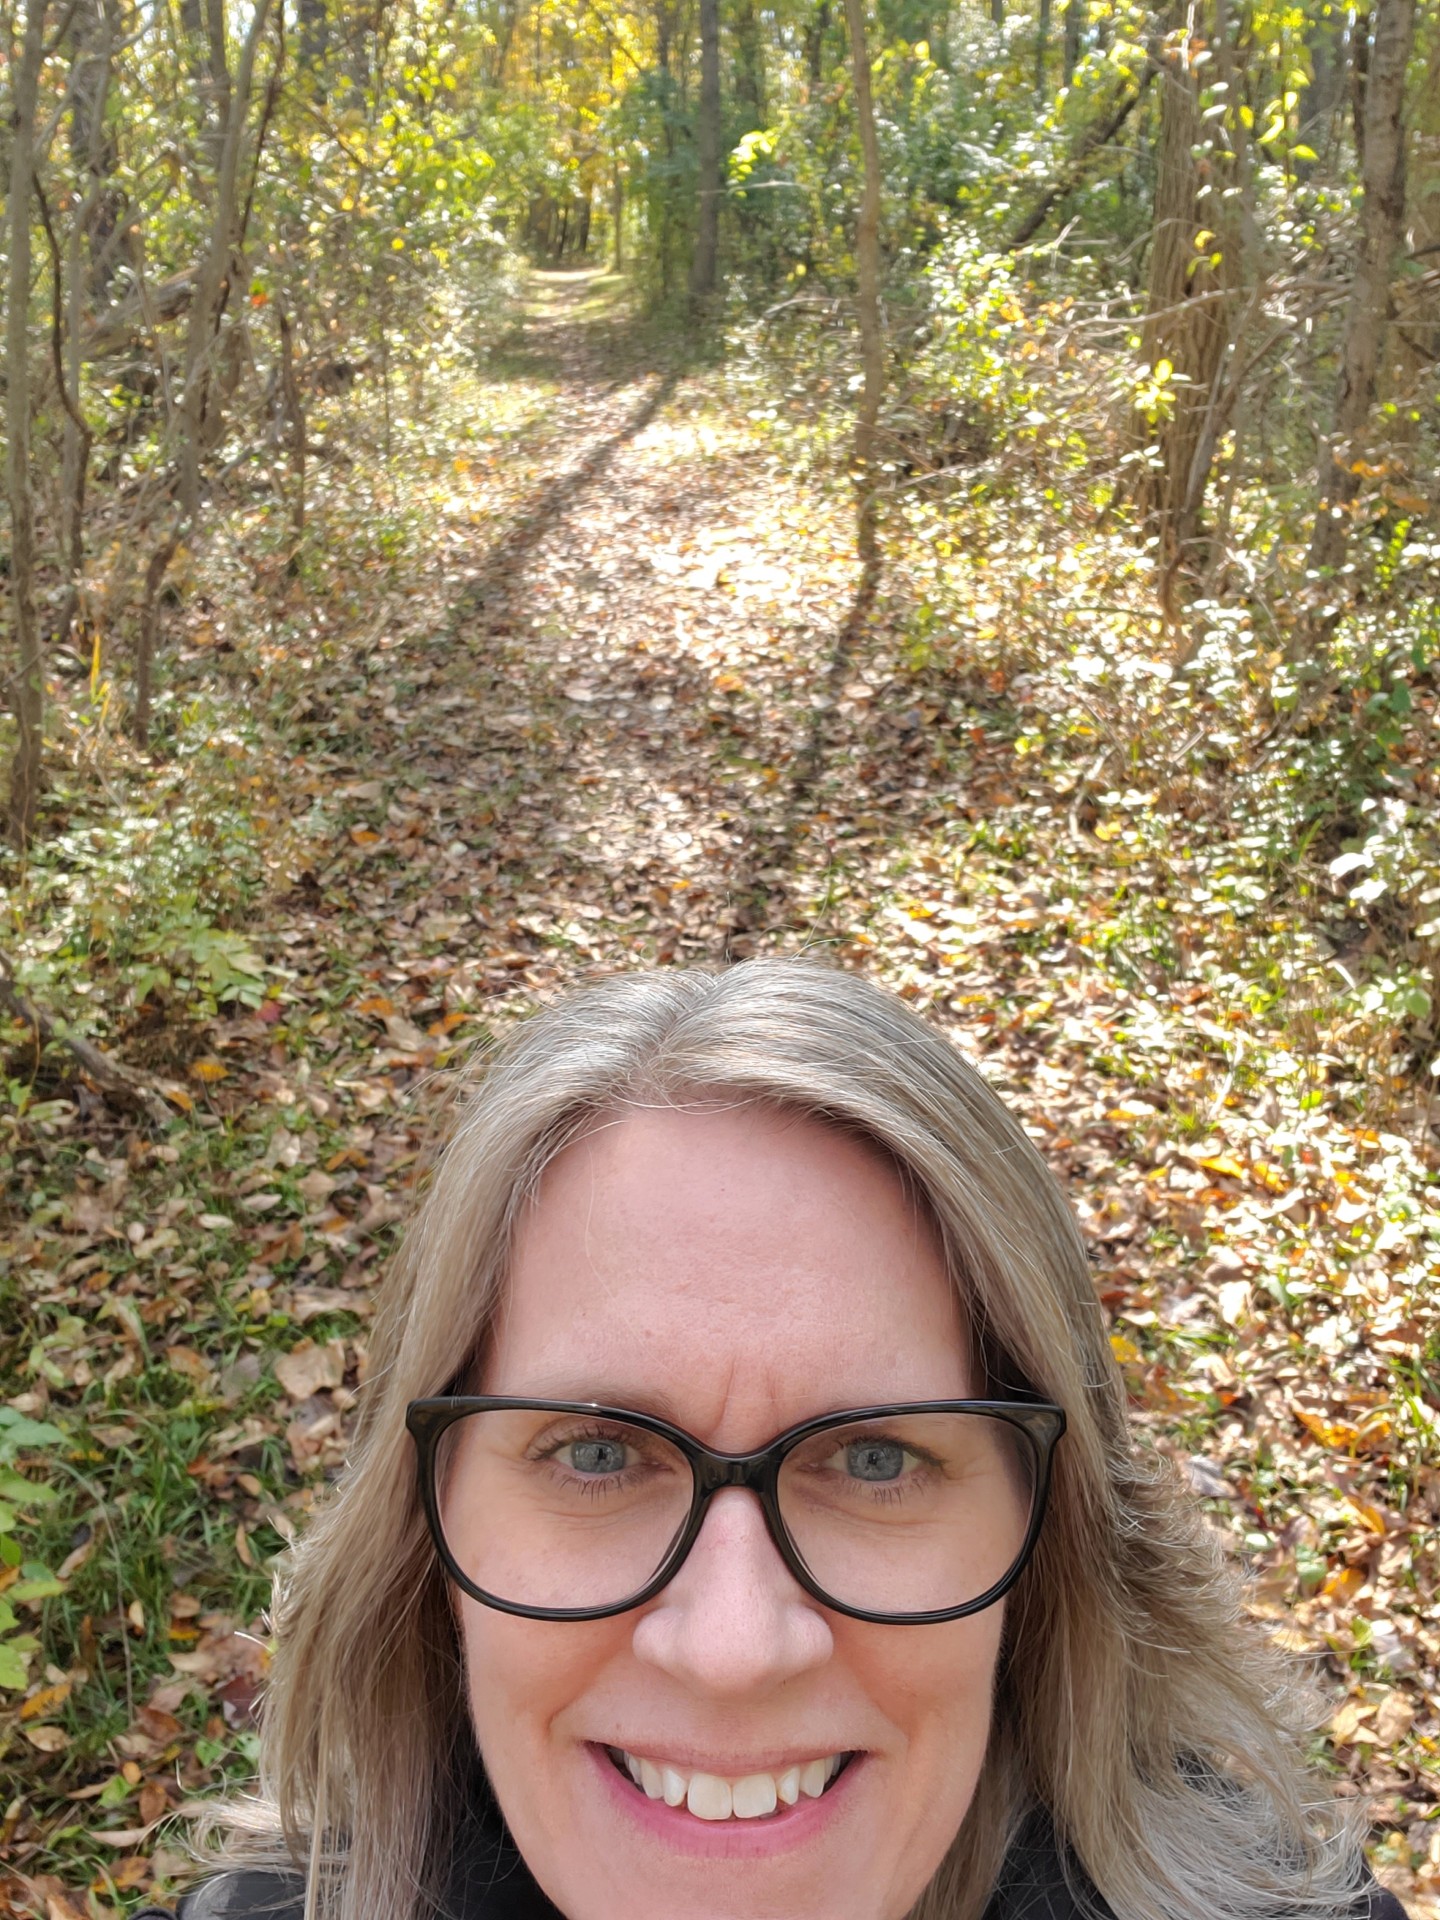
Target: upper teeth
[(709, 1797)]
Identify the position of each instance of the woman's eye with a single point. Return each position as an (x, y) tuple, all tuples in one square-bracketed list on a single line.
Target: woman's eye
[(595, 1456), (875, 1460)]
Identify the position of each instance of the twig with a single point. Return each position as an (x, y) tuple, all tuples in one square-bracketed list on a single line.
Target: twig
[(124, 1087), (1081, 794), (57, 324), (1092, 143)]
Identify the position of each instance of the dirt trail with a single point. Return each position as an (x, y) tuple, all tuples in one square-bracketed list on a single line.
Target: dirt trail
[(637, 671), (612, 707)]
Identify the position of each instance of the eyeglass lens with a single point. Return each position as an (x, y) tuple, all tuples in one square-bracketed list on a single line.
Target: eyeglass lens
[(908, 1513)]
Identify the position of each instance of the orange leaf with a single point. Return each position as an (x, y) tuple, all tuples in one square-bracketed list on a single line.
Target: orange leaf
[(1263, 1174), (1371, 1518), (1330, 1433), (1369, 1435), (209, 1070), (45, 1701), (1225, 1163), (375, 1003)]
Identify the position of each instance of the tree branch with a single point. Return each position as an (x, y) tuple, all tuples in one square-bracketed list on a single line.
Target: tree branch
[(125, 1088), (1061, 189)]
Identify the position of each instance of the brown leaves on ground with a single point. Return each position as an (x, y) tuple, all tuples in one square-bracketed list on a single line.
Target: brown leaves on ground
[(608, 725)]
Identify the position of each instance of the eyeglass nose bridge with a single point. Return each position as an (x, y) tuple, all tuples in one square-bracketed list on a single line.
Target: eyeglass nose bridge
[(755, 1473), (714, 1472)]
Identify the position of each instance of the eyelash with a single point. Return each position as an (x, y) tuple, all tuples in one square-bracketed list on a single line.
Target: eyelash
[(891, 1493), (546, 1449), (595, 1486)]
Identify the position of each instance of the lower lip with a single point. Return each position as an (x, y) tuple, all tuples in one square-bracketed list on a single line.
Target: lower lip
[(682, 1832)]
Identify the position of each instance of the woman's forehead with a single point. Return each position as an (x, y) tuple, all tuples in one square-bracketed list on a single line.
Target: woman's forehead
[(733, 1262)]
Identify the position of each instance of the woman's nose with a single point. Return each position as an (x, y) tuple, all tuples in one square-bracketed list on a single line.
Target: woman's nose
[(734, 1622)]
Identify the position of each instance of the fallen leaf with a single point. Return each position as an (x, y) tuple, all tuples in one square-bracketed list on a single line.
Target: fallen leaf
[(308, 1368), (48, 1739), (1234, 1301), (1348, 1720), (1394, 1717), (194, 1366), (40, 1704)]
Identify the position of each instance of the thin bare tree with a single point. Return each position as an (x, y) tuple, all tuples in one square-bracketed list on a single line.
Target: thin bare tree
[(704, 264), (1382, 226), (27, 676), (207, 308), (1193, 297), (867, 278)]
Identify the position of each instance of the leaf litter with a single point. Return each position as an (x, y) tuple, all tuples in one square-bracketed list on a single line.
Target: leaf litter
[(600, 720)]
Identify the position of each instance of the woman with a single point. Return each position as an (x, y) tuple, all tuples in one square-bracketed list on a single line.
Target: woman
[(744, 1523)]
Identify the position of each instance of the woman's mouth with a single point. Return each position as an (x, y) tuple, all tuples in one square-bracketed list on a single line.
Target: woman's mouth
[(711, 1796)]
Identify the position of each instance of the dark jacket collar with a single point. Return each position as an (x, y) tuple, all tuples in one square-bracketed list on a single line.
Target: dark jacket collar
[(490, 1881)]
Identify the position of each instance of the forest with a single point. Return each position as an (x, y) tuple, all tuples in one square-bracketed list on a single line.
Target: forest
[(503, 489)]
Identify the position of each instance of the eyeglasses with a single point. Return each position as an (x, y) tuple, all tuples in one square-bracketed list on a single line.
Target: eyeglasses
[(565, 1510)]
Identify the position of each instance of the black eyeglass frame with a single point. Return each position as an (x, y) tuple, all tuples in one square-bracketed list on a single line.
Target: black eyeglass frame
[(1041, 1421)]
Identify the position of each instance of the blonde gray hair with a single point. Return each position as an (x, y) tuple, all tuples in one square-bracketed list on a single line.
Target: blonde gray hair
[(1133, 1701)]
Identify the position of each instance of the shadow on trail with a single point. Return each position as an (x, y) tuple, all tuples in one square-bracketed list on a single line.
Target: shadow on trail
[(500, 571), (774, 842)]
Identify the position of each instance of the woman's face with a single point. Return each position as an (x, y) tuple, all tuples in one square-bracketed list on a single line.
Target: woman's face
[(735, 1271)]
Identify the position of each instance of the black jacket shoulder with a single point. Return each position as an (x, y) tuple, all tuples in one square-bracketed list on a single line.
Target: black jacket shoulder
[(238, 1896), (492, 1883)]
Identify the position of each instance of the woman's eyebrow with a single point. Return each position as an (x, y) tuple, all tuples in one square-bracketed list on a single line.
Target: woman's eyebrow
[(604, 1392)]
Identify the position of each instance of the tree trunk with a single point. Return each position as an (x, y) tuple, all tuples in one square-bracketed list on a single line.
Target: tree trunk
[(867, 276), (500, 53), (617, 221), (1074, 26), (295, 417), (314, 22), (815, 43), (1415, 336), (749, 66), (705, 264), (1359, 78), (93, 152), (665, 20), (1382, 215), (207, 306), (149, 633), (27, 683), (1193, 286), (1320, 102), (1241, 250), (1042, 48)]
